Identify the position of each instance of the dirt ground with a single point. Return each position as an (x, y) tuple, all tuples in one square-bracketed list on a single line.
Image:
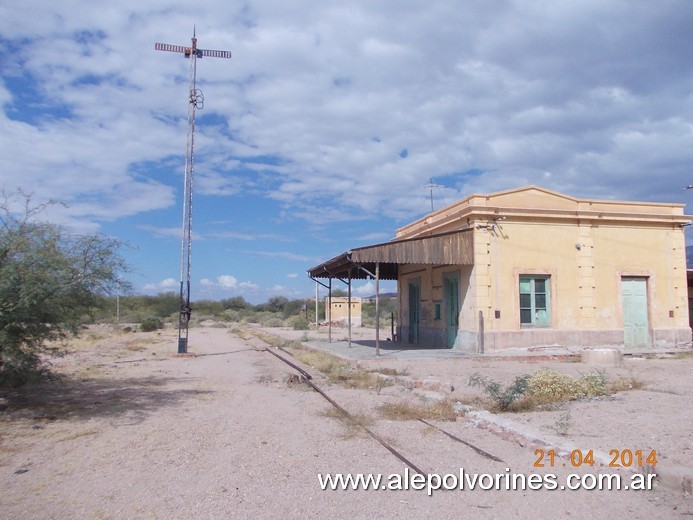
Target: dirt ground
[(129, 430)]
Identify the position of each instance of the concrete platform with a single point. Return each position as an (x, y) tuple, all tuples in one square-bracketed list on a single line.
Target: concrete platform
[(362, 347)]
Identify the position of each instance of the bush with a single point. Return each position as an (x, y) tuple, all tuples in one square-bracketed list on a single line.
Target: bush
[(548, 386), (299, 323), (49, 280), (593, 385), (502, 398), (545, 386), (272, 322), (232, 316), (151, 324)]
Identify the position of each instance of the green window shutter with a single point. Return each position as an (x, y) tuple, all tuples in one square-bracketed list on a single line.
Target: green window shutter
[(534, 301)]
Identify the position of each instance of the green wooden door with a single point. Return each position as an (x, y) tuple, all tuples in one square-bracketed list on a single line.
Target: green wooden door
[(414, 299), (451, 285), (636, 331)]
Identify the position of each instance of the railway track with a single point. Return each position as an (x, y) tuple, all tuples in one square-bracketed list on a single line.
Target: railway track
[(306, 378)]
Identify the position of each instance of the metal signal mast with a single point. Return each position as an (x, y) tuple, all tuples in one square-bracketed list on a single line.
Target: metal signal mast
[(195, 101)]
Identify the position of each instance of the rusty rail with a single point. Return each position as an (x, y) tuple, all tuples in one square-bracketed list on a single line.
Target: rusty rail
[(454, 437), (307, 380)]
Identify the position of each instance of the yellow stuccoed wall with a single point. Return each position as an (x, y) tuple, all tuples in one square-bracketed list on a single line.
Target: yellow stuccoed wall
[(585, 263)]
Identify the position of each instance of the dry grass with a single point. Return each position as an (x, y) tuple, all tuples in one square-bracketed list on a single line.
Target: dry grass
[(443, 410), (78, 434), (547, 386), (246, 333), (625, 383), (320, 361), (338, 370), (242, 333), (386, 371), (353, 424), (136, 347)]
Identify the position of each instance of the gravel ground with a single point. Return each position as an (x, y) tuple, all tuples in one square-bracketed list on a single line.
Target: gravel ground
[(132, 431)]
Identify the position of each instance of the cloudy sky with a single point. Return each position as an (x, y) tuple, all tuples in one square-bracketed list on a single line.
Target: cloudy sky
[(325, 128)]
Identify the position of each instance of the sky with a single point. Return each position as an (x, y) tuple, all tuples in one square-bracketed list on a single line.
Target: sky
[(334, 123)]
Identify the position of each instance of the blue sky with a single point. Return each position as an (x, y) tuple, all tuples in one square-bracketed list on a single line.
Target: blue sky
[(323, 131)]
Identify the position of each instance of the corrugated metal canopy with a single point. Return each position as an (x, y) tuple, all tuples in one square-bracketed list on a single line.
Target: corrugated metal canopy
[(454, 248)]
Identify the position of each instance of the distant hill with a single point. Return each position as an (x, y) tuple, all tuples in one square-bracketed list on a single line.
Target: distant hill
[(383, 296)]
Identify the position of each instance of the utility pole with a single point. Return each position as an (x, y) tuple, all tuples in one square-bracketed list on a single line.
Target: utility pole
[(195, 101)]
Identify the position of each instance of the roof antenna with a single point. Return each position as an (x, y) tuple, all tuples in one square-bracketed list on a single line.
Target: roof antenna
[(430, 186), (195, 101)]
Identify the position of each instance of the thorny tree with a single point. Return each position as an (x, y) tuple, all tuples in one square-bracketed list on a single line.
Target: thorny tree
[(49, 279)]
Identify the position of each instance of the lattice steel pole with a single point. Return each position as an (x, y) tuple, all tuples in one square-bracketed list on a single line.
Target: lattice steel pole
[(195, 101)]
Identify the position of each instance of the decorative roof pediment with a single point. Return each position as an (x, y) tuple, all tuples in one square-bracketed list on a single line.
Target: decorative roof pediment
[(531, 197)]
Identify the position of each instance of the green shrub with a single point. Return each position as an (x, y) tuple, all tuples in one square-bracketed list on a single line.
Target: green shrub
[(544, 387), (231, 316), (502, 398), (593, 385), (272, 322), (548, 386), (151, 324), (299, 323)]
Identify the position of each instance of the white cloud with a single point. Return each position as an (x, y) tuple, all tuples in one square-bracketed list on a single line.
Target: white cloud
[(162, 232), (340, 93), (287, 255), (367, 289), (227, 281), (168, 284)]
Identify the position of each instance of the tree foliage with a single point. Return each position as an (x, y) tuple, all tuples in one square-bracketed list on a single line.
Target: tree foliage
[(49, 279), (236, 303), (274, 304)]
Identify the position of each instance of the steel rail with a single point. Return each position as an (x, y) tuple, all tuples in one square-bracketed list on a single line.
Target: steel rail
[(454, 437), (292, 365), (307, 380)]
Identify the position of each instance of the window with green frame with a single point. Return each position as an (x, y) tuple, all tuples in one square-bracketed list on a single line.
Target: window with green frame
[(535, 310)]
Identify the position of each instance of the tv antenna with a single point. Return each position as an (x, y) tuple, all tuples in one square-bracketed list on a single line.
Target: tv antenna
[(196, 101), (430, 186)]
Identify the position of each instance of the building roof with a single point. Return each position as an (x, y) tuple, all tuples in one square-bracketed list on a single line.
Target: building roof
[(532, 202), (444, 237), (443, 249)]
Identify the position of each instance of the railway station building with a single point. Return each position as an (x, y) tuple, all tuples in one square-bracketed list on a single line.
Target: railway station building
[(531, 267)]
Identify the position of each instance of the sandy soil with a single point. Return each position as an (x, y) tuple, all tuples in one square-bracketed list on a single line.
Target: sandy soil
[(131, 431)]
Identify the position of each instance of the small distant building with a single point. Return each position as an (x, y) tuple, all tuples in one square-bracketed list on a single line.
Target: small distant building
[(339, 310)]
